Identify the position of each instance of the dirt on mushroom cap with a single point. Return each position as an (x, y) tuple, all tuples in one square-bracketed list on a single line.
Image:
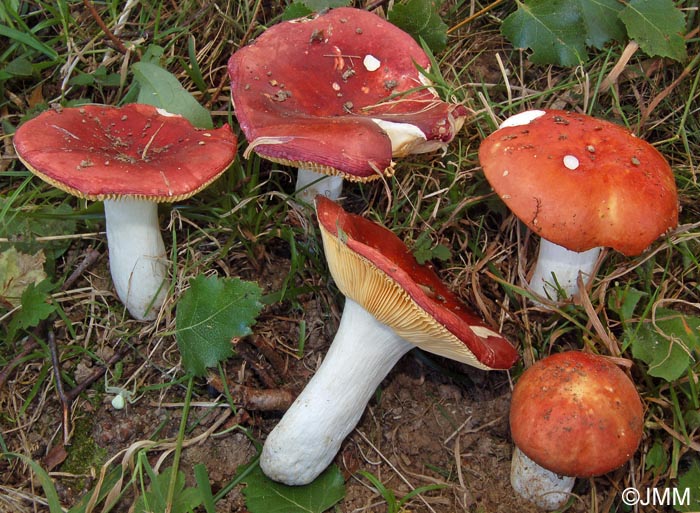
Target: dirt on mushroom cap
[(102, 152), (576, 414), (582, 182), (305, 92)]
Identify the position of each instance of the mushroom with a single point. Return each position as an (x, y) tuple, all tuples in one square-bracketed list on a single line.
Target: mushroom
[(392, 304), (339, 94), (132, 158), (581, 183), (572, 414)]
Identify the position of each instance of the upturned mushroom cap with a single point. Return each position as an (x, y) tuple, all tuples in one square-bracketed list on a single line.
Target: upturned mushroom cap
[(138, 151), (321, 93), (576, 414), (581, 182), (374, 268)]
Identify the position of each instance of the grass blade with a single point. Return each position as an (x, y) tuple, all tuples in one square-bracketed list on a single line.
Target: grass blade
[(28, 40)]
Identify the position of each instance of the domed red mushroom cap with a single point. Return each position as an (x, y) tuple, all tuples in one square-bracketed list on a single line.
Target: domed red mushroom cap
[(576, 414), (138, 151), (321, 92), (374, 268), (581, 182), (132, 158)]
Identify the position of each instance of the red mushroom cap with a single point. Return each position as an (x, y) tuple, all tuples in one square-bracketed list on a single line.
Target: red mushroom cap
[(102, 152), (582, 182), (374, 268), (304, 94), (576, 414)]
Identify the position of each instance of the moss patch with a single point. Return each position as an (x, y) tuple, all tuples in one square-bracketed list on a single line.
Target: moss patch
[(83, 453)]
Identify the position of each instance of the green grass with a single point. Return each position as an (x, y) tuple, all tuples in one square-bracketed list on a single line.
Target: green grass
[(245, 224)]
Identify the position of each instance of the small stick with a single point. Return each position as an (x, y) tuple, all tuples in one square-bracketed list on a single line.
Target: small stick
[(92, 255), (29, 346), (96, 374), (67, 398), (270, 353), (66, 402), (245, 350), (474, 16), (250, 398), (98, 19)]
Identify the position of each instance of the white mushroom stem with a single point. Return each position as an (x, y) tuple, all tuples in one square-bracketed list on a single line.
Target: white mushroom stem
[(309, 435), (310, 184), (557, 269), (137, 257), (538, 485)]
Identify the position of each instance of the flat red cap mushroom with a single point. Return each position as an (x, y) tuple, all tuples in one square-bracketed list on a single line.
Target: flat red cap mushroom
[(580, 183), (132, 158), (392, 305), (573, 414), (338, 93)]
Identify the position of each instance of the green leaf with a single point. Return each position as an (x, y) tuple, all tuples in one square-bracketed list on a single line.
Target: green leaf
[(666, 347), (558, 31), (552, 29), (423, 250), (691, 418), (420, 18), (161, 89), (320, 5), (656, 459), (99, 76), (601, 21), (690, 481), (295, 10), (266, 496), (19, 67), (201, 476), (657, 26), (624, 301), (35, 308), (441, 252), (154, 500), (211, 313)]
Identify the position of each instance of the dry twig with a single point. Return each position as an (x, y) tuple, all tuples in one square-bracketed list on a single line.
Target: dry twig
[(250, 398)]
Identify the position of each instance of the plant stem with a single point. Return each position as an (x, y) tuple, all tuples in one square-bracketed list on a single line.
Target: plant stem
[(178, 447)]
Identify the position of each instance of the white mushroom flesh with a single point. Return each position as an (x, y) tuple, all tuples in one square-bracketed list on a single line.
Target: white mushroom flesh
[(538, 485), (522, 118), (557, 270), (137, 258), (371, 63), (309, 435), (571, 162)]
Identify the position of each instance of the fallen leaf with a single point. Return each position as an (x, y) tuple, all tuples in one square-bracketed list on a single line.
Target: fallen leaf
[(17, 272)]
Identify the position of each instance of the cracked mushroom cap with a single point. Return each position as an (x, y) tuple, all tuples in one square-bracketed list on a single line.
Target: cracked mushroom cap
[(374, 268), (338, 93), (101, 152), (581, 182), (576, 414)]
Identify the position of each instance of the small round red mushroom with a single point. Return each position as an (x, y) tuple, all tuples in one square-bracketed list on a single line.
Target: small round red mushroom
[(580, 183), (392, 305), (340, 94), (132, 158), (573, 414)]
